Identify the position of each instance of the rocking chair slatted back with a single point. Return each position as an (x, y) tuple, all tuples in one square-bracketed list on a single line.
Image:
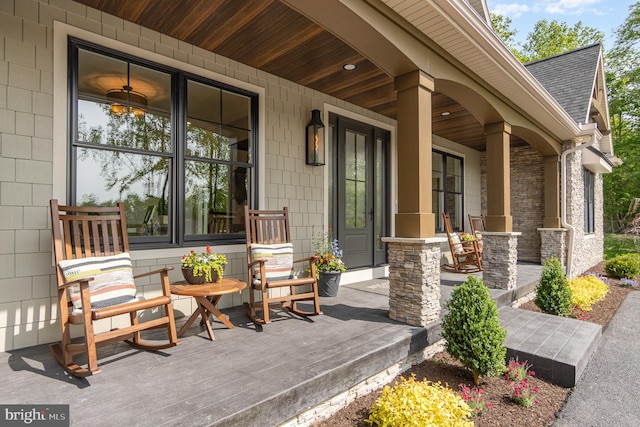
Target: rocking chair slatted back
[(100, 233), (267, 227), (476, 223)]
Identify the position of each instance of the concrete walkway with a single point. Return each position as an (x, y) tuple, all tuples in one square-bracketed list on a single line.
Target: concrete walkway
[(607, 394)]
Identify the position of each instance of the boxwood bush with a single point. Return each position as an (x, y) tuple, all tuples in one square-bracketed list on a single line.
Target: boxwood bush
[(553, 292), (623, 266), (472, 329)]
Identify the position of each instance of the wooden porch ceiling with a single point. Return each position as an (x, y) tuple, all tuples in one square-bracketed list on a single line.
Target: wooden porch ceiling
[(270, 36)]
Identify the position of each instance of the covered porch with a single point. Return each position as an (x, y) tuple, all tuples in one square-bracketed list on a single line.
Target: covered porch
[(247, 376)]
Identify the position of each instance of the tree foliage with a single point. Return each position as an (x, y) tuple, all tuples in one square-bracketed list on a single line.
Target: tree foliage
[(502, 26), (551, 38), (622, 186), (546, 39)]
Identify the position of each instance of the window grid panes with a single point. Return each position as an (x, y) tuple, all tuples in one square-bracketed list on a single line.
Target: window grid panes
[(589, 201), (183, 173), (447, 188)]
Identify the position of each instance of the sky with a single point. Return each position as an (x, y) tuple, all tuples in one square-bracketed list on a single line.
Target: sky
[(604, 15)]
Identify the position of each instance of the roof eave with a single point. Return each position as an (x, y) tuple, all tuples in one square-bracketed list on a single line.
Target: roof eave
[(515, 79)]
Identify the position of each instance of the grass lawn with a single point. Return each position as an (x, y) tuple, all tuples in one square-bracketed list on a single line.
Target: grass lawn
[(618, 244)]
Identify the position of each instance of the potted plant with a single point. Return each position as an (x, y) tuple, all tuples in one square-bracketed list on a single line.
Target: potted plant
[(467, 237), (329, 265), (203, 267)]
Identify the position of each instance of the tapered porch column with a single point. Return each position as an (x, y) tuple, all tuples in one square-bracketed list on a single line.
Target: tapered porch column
[(552, 235), (498, 177), (414, 254), (500, 248), (414, 217), (551, 192)]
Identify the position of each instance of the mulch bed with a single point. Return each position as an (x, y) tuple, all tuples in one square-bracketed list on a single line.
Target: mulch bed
[(444, 368)]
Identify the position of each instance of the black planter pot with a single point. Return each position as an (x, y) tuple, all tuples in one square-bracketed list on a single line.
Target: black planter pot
[(328, 283)]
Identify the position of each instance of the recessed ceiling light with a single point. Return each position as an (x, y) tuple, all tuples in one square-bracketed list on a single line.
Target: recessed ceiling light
[(349, 67), (445, 113)]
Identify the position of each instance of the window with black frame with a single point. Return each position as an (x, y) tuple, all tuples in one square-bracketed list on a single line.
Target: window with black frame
[(447, 189), (175, 148), (589, 179)]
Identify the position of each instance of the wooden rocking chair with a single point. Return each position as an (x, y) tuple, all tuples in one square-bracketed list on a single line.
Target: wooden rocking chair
[(477, 227), (466, 256), (477, 224), (270, 263), (95, 281)]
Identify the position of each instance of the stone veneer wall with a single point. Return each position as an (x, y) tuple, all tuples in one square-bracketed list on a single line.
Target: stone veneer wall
[(553, 244), (527, 198), (28, 308), (588, 249), (499, 259), (414, 280), (373, 383)]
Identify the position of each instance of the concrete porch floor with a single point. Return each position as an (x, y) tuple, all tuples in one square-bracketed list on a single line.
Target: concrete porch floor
[(252, 376)]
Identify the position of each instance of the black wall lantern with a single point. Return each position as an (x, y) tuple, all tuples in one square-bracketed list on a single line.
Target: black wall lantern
[(315, 140)]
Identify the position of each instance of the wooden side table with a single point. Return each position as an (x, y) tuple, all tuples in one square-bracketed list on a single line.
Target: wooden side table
[(207, 297)]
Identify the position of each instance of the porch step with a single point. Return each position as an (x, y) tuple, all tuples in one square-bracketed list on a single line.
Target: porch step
[(558, 348)]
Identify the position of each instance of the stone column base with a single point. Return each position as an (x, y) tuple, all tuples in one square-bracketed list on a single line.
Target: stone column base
[(553, 242), (499, 259), (414, 279)]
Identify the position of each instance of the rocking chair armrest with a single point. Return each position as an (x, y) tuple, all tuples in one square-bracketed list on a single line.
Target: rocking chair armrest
[(78, 282), (149, 273), (256, 262), (307, 259)]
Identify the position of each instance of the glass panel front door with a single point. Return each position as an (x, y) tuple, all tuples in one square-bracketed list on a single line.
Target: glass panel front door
[(360, 198)]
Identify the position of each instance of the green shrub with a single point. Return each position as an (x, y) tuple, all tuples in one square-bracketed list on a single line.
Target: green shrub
[(623, 266), (472, 329), (419, 403), (553, 291), (586, 291)]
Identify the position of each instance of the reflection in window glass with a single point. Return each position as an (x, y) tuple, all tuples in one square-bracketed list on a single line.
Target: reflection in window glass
[(140, 181), (355, 185), (589, 179), (235, 112), (447, 190), (215, 195), (130, 119), (218, 125), (122, 104)]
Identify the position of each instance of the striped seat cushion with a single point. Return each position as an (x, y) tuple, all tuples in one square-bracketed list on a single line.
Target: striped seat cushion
[(112, 282), (456, 243), (279, 261)]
